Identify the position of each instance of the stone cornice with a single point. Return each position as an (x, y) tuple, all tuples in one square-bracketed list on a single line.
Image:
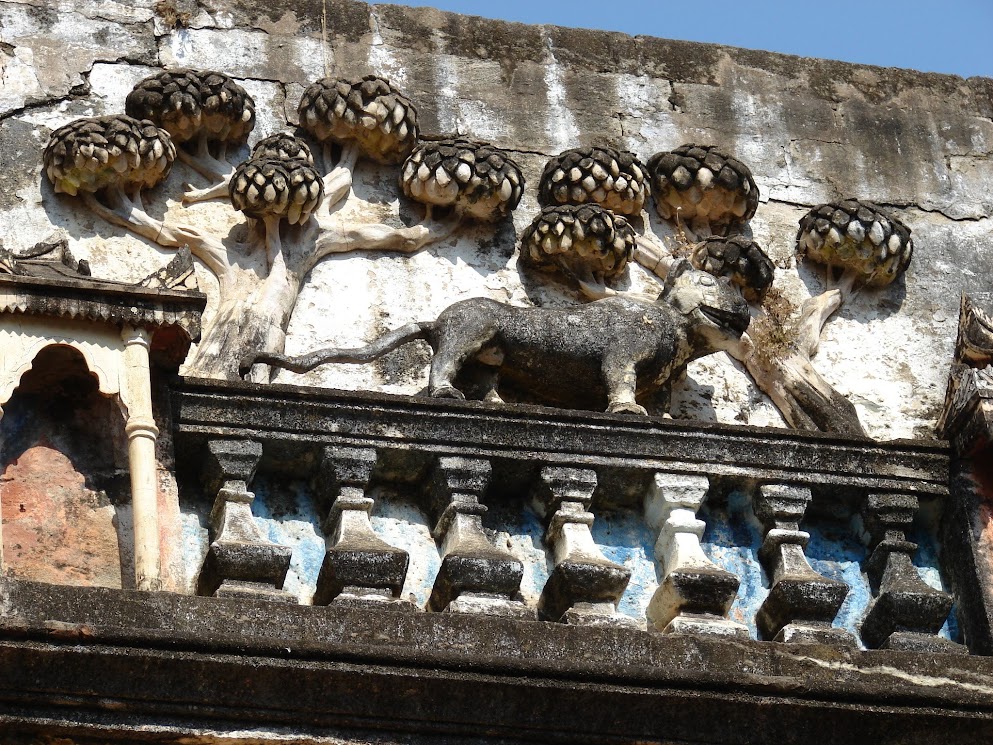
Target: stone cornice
[(90, 658), (109, 302), (289, 420)]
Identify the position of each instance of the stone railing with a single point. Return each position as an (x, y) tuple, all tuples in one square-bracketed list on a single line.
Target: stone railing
[(571, 468)]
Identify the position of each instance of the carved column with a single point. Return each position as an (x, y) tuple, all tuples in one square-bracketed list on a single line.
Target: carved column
[(695, 594), (241, 561), (906, 613), (359, 567), (142, 433), (584, 587), (801, 603), (475, 576)]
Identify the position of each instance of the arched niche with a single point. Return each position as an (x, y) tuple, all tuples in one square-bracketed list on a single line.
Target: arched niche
[(120, 331), (65, 499), (23, 338)]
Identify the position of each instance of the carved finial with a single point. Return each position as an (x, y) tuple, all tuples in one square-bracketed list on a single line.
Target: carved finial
[(704, 186), (870, 246), (476, 179), (101, 152), (974, 344), (368, 111), (738, 258), (191, 104), (586, 242), (614, 179)]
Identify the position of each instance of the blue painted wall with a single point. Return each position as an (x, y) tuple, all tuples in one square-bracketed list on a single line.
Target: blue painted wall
[(289, 516)]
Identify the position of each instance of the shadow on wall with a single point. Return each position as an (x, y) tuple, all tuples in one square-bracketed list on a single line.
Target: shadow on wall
[(64, 487)]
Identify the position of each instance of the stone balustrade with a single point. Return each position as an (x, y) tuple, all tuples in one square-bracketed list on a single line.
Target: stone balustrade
[(572, 517)]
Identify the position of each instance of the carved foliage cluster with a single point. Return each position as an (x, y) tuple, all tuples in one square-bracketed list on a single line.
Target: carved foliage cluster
[(474, 178), (279, 180), (857, 237), (579, 239), (107, 151), (702, 182), (189, 104), (369, 111), (614, 179)]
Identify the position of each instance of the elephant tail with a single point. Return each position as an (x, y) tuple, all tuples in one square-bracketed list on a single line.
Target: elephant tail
[(372, 351)]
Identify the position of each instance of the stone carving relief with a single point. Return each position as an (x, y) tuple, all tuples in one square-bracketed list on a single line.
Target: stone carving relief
[(593, 224), (293, 208), (861, 247), (389, 500), (616, 349), (709, 196)]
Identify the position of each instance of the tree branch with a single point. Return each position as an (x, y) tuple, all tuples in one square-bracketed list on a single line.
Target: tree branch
[(652, 254), (814, 314), (379, 237), (129, 215)]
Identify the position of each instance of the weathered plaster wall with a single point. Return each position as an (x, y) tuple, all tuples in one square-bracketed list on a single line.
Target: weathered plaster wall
[(812, 131)]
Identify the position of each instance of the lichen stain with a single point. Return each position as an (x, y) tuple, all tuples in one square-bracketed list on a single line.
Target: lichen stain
[(287, 25), (54, 528)]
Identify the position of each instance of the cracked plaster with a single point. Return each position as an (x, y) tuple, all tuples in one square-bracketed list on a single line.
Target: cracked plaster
[(812, 131)]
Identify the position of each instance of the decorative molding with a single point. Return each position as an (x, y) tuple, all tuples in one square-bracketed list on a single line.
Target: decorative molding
[(125, 659), (102, 301), (967, 417), (301, 418)]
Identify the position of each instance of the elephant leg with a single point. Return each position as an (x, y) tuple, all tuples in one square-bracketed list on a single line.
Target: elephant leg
[(454, 350), (622, 381)]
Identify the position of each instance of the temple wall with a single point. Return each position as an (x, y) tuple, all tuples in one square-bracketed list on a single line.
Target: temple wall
[(811, 131)]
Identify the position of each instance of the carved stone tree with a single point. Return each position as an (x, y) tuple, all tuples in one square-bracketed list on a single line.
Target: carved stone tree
[(594, 177), (293, 209), (709, 196), (861, 246)]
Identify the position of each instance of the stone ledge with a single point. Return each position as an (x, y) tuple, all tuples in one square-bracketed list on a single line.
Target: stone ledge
[(80, 626), (289, 420)]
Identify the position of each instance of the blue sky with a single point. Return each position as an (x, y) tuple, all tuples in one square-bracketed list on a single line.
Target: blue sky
[(951, 36)]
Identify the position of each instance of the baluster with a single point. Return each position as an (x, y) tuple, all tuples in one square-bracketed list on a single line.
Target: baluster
[(801, 603), (695, 594), (241, 561), (584, 587), (359, 568), (475, 575), (906, 613)]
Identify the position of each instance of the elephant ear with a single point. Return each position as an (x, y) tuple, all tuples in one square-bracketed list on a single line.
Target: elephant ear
[(675, 271)]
